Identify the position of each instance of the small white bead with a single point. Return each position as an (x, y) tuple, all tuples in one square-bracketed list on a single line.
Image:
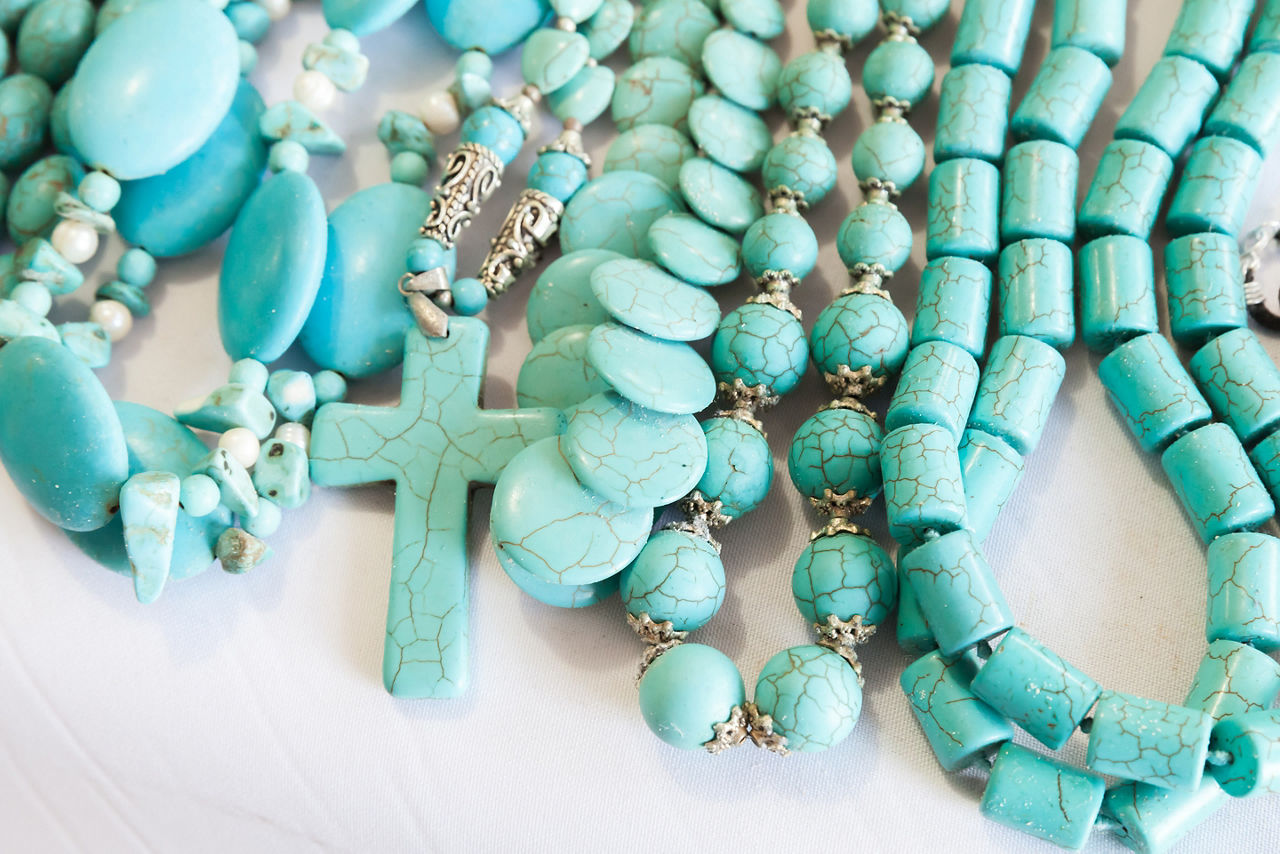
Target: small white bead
[(276, 9), (75, 241), (314, 91), (113, 317), (439, 112), (241, 444), (298, 434)]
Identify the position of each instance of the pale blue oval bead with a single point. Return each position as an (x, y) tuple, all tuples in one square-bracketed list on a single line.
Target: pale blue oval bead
[(1045, 113), (249, 18), (686, 691), (973, 113), (1037, 297), (1205, 287), (674, 29), (957, 591), (960, 727), (912, 632), (1252, 746), (1148, 741), (730, 134), (902, 70), (558, 174), (804, 164), (1117, 291), (693, 251), (153, 88), (1233, 678), (1152, 392), (993, 32), (658, 150), (558, 595), (719, 196), (859, 330), (844, 575), (556, 373), (1098, 26), (495, 129), (780, 242), (760, 345), (964, 210), (1039, 192), (1017, 390), (1042, 797), (30, 212), (815, 81), (813, 696), (657, 90), (937, 386), (608, 28), (1170, 105), (1216, 188), (739, 465), (288, 155), (1153, 820), (668, 376), (1211, 32), (678, 577), (891, 151), (562, 296), (923, 488), (1241, 383), (953, 304), (1244, 591), (1266, 33), (614, 212), (647, 298), (1266, 459), (1247, 111), (551, 57), (407, 167), (990, 469), (1127, 190), (875, 233), (1216, 483), (836, 449), (853, 19), (52, 38), (743, 68), (493, 26), (585, 97), (576, 10), (25, 104), (763, 19)]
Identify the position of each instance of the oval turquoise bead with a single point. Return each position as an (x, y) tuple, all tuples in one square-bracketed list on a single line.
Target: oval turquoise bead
[(1241, 383), (731, 135), (1097, 26), (657, 90), (964, 208), (960, 727), (719, 196), (763, 19), (844, 575), (1216, 188), (668, 376), (1244, 591), (556, 373), (1246, 111), (739, 465), (990, 469), (937, 386), (804, 164), (814, 82), (493, 26), (1170, 105), (677, 577), (658, 150), (1017, 390), (558, 174), (1117, 291), (859, 330), (1233, 678), (1127, 190), (153, 88), (1211, 32), (890, 151), (743, 68), (1045, 114), (1037, 298), (674, 29), (558, 595), (836, 449), (645, 297), (30, 211), (1148, 741), (952, 304), (973, 113), (585, 97), (780, 242), (875, 233), (362, 17), (1252, 742), (552, 56), (1205, 288), (562, 296), (993, 32), (608, 28), (853, 19), (686, 691), (1216, 483), (693, 251), (923, 489), (1042, 797), (760, 345), (495, 129), (901, 70), (1039, 192), (1152, 392), (250, 20), (813, 696), (53, 37), (25, 103), (614, 212)]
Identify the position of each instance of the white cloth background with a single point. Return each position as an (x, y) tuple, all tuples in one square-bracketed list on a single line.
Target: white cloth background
[(247, 713)]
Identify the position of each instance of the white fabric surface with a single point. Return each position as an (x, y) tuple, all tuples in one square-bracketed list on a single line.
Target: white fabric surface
[(247, 713)]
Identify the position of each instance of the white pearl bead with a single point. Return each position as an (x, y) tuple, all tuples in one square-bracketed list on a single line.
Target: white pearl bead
[(113, 317), (314, 91), (241, 444), (439, 112), (75, 241), (276, 9), (296, 433)]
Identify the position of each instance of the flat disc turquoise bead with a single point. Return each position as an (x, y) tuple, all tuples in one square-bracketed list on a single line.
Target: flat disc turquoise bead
[(677, 576), (658, 150), (493, 26), (686, 691), (672, 28), (608, 27), (614, 212), (731, 135), (558, 595), (657, 90), (25, 102), (739, 465), (813, 696), (556, 372), (763, 19), (562, 296), (153, 87), (272, 269), (836, 449), (645, 297), (60, 438), (53, 36), (553, 527), (585, 97), (30, 209), (720, 196), (694, 251), (744, 68), (760, 344), (845, 575), (859, 330), (664, 375), (552, 56)]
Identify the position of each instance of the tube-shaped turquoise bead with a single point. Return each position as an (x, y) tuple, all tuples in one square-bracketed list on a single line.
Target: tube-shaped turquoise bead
[(991, 469), (1117, 291), (1241, 383), (1170, 105), (1127, 190), (1216, 189), (957, 591), (973, 113), (1152, 391), (1211, 32), (1266, 458), (958, 725), (1266, 35), (1042, 797), (1244, 590), (937, 386), (1036, 294), (1045, 113), (952, 304), (923, 490), (1252, 742), (1153, 820), (1248, 110), (1233, 679), (1096, 25), (964, 210), (1145, 740), (993, 32), (1205, 287), (1017, 391), (686, 691), (1216, 483), (1038, 193), (912, 629)]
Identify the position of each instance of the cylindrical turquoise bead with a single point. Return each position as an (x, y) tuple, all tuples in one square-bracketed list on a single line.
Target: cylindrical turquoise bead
[(1248, 110), (973, 113), (1233, 679), (1064, 97), (1244, 590), (1170, 105), (953, 304), (1145, 740), (1216, 189), (1211, 32), (875, 234), (912, 629), (993, 32), (937, 386), (813, 696), (1096, 25), (1127, 190), (957, 591), (958, 725), (1205, 287), (1036, 294), (1117, 291), (1266, 35), (1036, 689), (991, 469), (1042, 797), (1017, 391), (901, 70), (1038, 192), (1241, 383), (891, 151), (686, 691), (844, 575), (1153, 820), (1152, 391), (1252, 742), (964, 210), (923, 489), (1216, 483), (1266, 459)]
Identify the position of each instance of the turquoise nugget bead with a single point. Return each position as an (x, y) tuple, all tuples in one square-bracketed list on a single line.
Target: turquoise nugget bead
[(1151, 390), (1098, 26), (558, 174), (923, 490), (677, 576), (859, 330), (1036, 294), (763, 19), (720, 196), (608, 28), (1216, 483), (658, 150), (585, 97), (293, 394), (780, 242), (693, 251), (960, 727), (1241, 383), (804, 164), (1205, 287), (1170, 105), (952, 305), (739, 465), (25, 101), (88, 341), (875, 233), (1253, 744), (281, 474), (562, 296), (1039, 192), (816, 81), (1117, 291), (813, 696), (1247, 111), (657, 90), (1233, 678), (990, 469), (923, 13), (1047, 112), (973, 113), (957, 591), (495, 129), (614, 212), (1036, 689), (686, 691), (1216, 188), (1154, 820), (675, 29), (1042, 797), (1127, 190), (1211, 32), (993, 32), (937, 386), (844, 575), (742, 67), (912, 631), (964, 210), (552, 57), (836, 449), (1017, 391), (901, 70), (53, 36), (1145, 740), (731, 135), (891, 151), (760, 344), (1244, 590), (853, 19)]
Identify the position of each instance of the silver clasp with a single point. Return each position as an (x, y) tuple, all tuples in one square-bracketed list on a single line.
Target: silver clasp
[(1251, 249)]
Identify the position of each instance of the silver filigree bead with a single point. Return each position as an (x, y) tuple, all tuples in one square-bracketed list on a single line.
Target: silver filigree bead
[(532, 221), (471, 175)]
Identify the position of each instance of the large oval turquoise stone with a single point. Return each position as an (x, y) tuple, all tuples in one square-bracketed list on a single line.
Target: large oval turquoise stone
[(359, 318), (25, 103), (657, 90), (364, 16), (644, 296), (664, 375), (694, 251), (272, 268), (659, 150), (672, 28), (614, 212), (153, 87), (730, 134), (60, 437), (745, 69), (492, 26), (562, 296), (53, 37), (720, 196)]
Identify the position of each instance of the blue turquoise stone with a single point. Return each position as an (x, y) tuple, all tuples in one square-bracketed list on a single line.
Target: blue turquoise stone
[(659, 150), (731, 135), (58, 274), (675, 29), (1017, 391), (719, 196), (357, 323), (739, 465), (129, 296), (1154, 819), (232, 405), (11, 12), (937, 386), (1097, 26), (234, 483), (964, 210), (645, 297), (292, 394), (1046, 114), (30, 212), (693, 251), (902, 70), (853, 19), (813, 696), (957, 591), (923, 492), (558, 174), (859, 330), (1036, 689), (281, 474), (1160, 744), (72, 467), (912, 630), (760, 345), (960, 727), (836, 449), (953, 304), (1241, 383), (763, 19), (585, 97), (993, 32), (427, 253), (493, 26), (686, 691), (668, 376), (1037, 297), (99, 191), (990, 469), (1266, 458), (677, 577), (1216, 483), (363, 17), (803, 163), (780, 242), (1246, 111), (743, 68), (633, 456), (576, 10), (1170, 105), (1234, 678), (53, 36), (1211, 32), (1216, 188), (249, 374), (657, 90), (558, 595), (1205, 288), (562, 296), (875, 233), (556, 373), (249, 18), (614, 212), (973, 113), (551, 57), (495, 129), (1127, 190), (608, 28), (400, 131), (816, 81), (1042, 797), (846, 576), (1117, 291), (1252, 745), (25, 103), (149, 513), (1153, 393), (291, 121), (1039, 192), (890, 151), (1244, 590), (1266, 33), (153, 88), (88, 341)]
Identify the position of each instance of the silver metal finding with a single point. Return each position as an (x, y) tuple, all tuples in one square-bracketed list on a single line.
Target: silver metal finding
[(1251, 249), (531, 222), (746, 722), (425, 292)]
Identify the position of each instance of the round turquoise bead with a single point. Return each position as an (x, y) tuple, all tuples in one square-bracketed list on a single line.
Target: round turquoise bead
[(659, 150), (902, 70), (493, 26), (743, 68), (409, 167), (426, 253), (469, 296), (552, 57), (30, 209), (585, 97), (875, 233), (731, 135), (53, 36), (687, 691), (890, 151), (495, 129), (556, 372), (852, 19), (25, 102), (780, 242), (804, 164), (677, 577), (608, 28), (923, 13), (199, 495), (330, 387), (844, 575), (720, 196), (657, 90), (813, 696), (675, 29), (836, 449), (664, 375), (859, 330), (558, 595), (694, 251), (614, 212), (558, 174), (249, 18), (816, 81), (99, 191), (739, 465), (562, 296), (267, 522), (760, 344)]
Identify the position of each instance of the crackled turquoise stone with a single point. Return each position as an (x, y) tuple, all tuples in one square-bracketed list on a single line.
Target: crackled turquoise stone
[(957, 591), (731, 135), (875, 233), (1017, 391), (923, 13), (675, 29), (1046, 114), (1153, 819), (743, 68), (780, 242), (1127, 190), (232, 405), (1117, 291), (1097, 26), (1216, 188), (719, 196), (760, 344), (1247, 111), (25, 102), (149, 514), (290, 120), (844, 575), (693, 251), (562, 296), (891, 151), (1148, 741), (952, 304), (1244, 590), (937, 386), (72, 467), (851, 19), (358, 320), (576, 10), (608, 28), (496, 129), (659, 150), (902, 70), (993, 32), (53, 36), (964, 210), (836, 449), (1211, 32), (1152, 391), (1266, 458), (615, 212), (686, 691), (859, 330), (557, 174), (362, 17), (153, 87), (1266, 33), (973, 113), (678, 577), (558, 595), (990, 469), (912, 631), (1252, 742), (1039, 192), (813, 696), (804, 164), (664, 375), (959, 726), (1037, 297), (30, 211), (763, 19), (923, 488), (645, 297), (739, 465), (814, 81), (292, 394), (1042, 797), (1170, 105), (556, 373), (493, 26), (281, 474), (1216, 482), (58, 274), (1241, 383), (552, 56), (1205, 287), (656, 90), (1233, 678), (585, 97)]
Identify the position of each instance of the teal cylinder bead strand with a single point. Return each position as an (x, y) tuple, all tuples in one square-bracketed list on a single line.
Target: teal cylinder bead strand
[(1266, 459), (1244, 590), (1152, 391), (1038, 193), (913, 633), (1216, 189), (1205, 287), (959, 727), (1117, 291), (1211, 32), (1252, 743), (937, 386), (1148, 741), (964, 210), (1042, 797), (1127, 190), (1248, 110), (1037, 299), (1170, 106), (993, 32), (973, 113), (1047, 113), (1017, 390), (1216, 483), (1233, 679), (990, 469), (952, 304), (923, 489), (1266, 35), (1241, 383), (1153, 820), (957, 591), (1098, 26)]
